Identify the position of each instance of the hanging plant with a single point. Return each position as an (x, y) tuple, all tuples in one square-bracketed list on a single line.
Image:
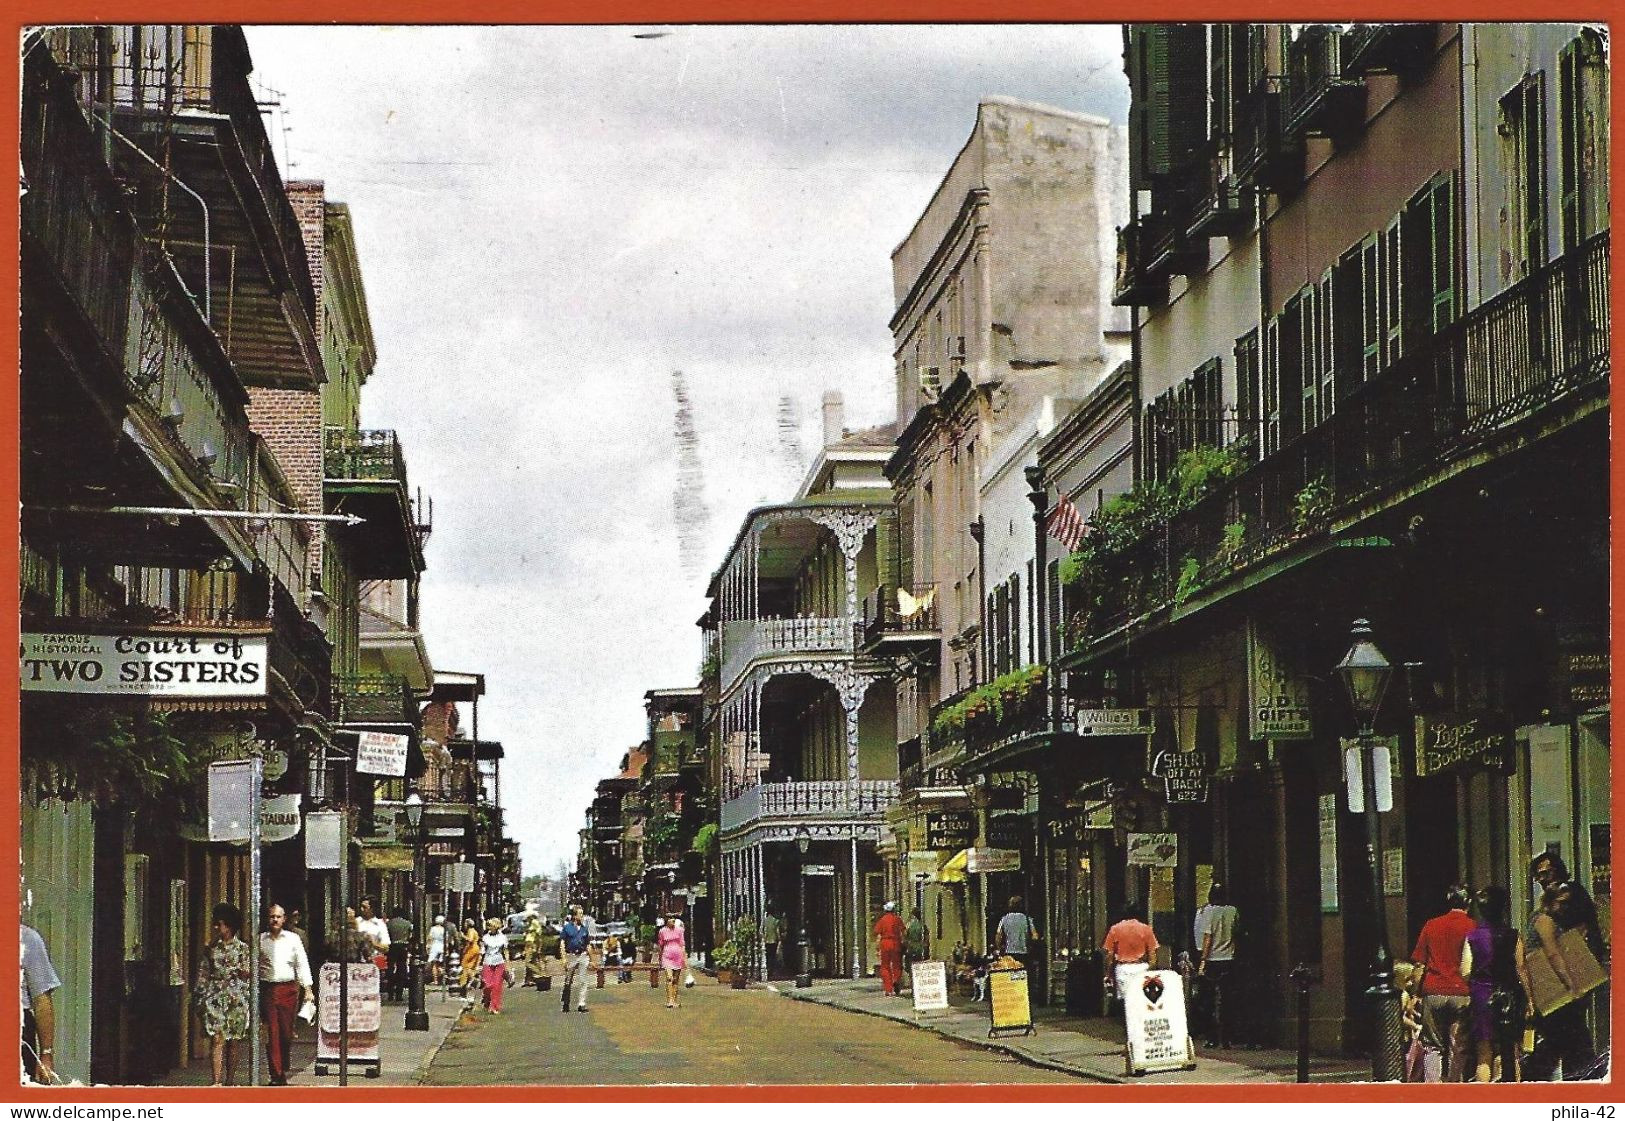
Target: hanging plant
[(103, 755)]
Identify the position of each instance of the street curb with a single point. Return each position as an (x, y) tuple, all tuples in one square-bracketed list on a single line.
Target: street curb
[(985, 1044), (422, 1071)]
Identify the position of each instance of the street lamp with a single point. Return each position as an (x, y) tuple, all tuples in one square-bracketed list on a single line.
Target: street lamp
[(803, 843), (417, 1016), (1365, 673)]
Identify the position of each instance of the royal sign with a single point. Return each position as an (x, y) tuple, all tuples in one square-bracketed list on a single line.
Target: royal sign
[(218, 664)]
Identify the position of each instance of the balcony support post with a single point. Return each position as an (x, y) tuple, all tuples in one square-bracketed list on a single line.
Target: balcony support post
[(857, 913)]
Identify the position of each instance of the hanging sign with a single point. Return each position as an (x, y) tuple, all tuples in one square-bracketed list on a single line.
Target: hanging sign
[(218, 664), (1183, 774), (1154, 1015), (1328, 854), (366, 1015), (1447, 743), (276, 764), (1114, 722), (381, 753), (324, 839), (1009, 1005), (279, 818), (1154, 850), (951, 829), (459, 877), (993, 860), (930, 983), (816, 870), (1278, 702)]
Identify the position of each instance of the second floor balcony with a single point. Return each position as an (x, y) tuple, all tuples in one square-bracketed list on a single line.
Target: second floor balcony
[(1020, 709), (374, 700), (754, 639), (808, 801), (1321, 98), (365, 475), (901, 620)]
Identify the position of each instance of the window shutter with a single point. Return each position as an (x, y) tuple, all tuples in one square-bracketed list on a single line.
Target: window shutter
[(1442, 260), (1570, 114), (1175, 87), (1272, 385)]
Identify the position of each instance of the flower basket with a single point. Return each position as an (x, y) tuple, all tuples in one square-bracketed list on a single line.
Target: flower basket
[(725, 976)]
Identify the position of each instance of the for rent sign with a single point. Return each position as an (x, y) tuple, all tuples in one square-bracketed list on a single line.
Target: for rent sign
[(145, 665)]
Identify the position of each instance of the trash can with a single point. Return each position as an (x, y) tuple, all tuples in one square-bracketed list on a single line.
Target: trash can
[(1083, 984)]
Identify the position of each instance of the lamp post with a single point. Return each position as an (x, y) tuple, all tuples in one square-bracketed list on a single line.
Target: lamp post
[(1365, 673), (417, 1016), (804, 977)]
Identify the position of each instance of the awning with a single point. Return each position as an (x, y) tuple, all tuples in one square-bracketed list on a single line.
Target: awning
[(953, 872)]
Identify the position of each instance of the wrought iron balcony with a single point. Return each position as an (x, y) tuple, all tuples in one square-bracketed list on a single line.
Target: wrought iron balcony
[(1220, 209), (1136, 284), (901, 619), (366, 475), (1265, 157), (1321, 97), (812, 801), (373, 699), (751, 639), (1399, 48), (1014, 708), (1539, 346)]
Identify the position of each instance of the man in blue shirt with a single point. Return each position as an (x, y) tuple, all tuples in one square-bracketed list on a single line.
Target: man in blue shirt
[(573, 943)]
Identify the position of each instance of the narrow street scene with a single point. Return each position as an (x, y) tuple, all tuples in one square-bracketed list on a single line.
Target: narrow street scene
[(1069, 555)]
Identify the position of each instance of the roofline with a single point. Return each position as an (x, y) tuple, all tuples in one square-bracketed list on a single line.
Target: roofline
[(812, 502)]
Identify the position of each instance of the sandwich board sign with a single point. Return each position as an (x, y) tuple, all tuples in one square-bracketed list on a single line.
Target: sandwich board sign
[(1007, 1001), (1154, 1014), (930, 984), (366, 1016)]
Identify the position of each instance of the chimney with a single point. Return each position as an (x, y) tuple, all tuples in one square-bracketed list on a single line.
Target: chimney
[(834, 416)]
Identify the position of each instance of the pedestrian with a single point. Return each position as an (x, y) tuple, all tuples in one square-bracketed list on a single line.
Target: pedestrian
[(469, 967), (39, 983), (376, 931), (1444, 991), (493, 966), (296, 927), (1562, 1036), (533, 948), (612, 955), (889, 940), (916, 944), (400, 933), (1129, 947), (673, 957), (351, 945), (1495, 991), (772, 933), (1216, 944), (223, 992), (574, 942), (436, 951), (1015, 932), (285, 975)]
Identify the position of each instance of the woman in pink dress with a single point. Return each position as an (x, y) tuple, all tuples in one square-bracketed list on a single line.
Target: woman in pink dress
[(673, 957)]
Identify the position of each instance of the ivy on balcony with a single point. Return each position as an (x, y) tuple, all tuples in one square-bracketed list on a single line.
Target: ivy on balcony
[(989, 710)]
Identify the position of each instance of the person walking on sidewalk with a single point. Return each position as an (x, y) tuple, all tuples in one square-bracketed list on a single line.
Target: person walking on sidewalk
[(1216, 940), (772, 932), (493, 966), (1445, 997), (1015, 931), (1129, 945), (376, 931), (673, 957), (573, 943), (889, 936), (285, 972), (223, 991), (469, 965), (39, 983)]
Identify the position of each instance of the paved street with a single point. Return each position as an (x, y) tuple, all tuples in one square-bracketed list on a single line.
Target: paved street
[(719, 1036)]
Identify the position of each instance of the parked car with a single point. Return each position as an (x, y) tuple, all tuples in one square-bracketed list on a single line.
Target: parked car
[(617, 928)]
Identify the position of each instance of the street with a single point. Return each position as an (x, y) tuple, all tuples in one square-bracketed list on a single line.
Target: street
[(719, 1036)]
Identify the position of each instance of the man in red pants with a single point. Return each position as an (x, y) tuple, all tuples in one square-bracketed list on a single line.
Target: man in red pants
[(889, 932), (285, 970)]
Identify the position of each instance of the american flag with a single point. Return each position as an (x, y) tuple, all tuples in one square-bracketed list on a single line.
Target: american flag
[(1066, 525)]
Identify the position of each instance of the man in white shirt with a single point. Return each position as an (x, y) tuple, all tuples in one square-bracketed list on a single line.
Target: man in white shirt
[(376, 931), (285, 971), (1216, 941)]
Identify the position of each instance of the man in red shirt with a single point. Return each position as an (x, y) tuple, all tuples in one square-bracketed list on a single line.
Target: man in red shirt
[(889, 932), (1130, 942), (1444, 991)]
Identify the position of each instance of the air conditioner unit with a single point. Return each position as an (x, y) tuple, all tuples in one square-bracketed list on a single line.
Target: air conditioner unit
[(930, 382)]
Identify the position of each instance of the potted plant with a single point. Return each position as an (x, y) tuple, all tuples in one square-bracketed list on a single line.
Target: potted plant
[(725, 958)]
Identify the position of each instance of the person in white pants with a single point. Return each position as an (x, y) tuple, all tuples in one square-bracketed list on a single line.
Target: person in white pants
[(573, 943)]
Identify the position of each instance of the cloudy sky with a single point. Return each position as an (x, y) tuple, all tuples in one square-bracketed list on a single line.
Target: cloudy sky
[(550, 222)]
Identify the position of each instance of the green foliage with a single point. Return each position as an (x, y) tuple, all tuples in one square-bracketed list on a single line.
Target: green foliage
[(710, 666), (1312, 504), (705, 840), (1190, 578), (663, 831), (148, 760), (1200, 469), (1234, 535), (989, 703), (725, 956)]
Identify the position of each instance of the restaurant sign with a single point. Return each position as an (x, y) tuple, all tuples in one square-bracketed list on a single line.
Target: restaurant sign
[(1453, 742), (217, 664)]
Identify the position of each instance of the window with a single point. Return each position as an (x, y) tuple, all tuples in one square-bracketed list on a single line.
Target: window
[(1582, 127), (1247, 390), (1185, 416), (1270, 385), (1430, 254), (1523, 162)]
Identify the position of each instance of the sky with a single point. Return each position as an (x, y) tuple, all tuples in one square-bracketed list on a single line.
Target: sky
[(550, 221)]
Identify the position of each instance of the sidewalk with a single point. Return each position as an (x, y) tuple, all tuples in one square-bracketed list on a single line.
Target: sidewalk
[(403, 1056), (1085, 1046)]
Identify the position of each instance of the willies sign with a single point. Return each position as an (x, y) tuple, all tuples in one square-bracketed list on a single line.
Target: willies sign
[(217, 664)]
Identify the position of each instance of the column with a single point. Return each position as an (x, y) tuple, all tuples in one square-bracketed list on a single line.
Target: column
[(857, 912), (761, 907)]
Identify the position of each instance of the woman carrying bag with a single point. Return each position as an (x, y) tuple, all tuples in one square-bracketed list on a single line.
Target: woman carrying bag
[(673, 957), (222, 993)]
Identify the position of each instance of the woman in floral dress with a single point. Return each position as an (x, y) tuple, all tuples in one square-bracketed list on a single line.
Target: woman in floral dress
[(222, 992)]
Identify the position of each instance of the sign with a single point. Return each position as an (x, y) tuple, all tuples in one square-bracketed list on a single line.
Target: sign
[(1154, 1015), (1077, 828), (1328, 854), (1588, 679), (1278, 701), (276, 764), (215, 664), (324, 839), (993, 860), (365, 1015), (924, 864), (1383, 750), (232, 792), (279, 818), (1115, 722), (381, 753), (1393, 871), (1007, 996), (1184, 775), (818, 869), (1457, 743), (930, 982), (951, 830), (1154, 850), (459, 877)]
